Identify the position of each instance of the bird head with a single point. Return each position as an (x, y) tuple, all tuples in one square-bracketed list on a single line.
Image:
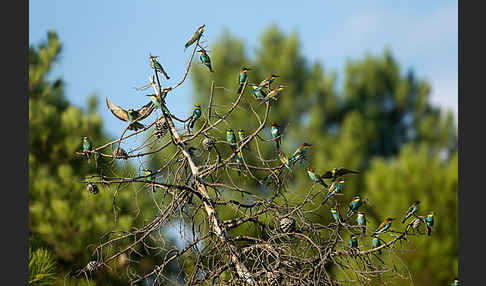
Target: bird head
[(197, 106), (274, 76), (353, 236), (333, 171), (229, 131), (305, 145), (243, 69), (431, 214), (311, 170), (356, 198), (85, 139), (153, 57), (202, 51), (151, 95), (201, 29), (238, 154), (341, 181), (274, 124), (456, 280), (416, 202), (333, 210), (360, 213), (131, 110), (240, 131), (388, 219), (147, 172), (281, 154)]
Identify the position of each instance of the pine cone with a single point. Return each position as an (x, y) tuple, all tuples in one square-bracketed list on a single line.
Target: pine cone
[(92, 265), (120, 153), (287, 224), (92, 188), (208, 143), (161, 127)]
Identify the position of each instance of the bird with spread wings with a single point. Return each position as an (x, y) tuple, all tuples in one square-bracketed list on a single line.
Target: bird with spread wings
[(131, 115)]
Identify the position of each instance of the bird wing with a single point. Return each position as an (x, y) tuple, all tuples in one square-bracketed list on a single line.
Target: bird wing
[(119, 112), (327, 175), (382, 225), (145, 110), (343, 171)]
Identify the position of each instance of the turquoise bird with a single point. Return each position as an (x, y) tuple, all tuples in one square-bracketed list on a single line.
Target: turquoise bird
[(268, 81), (196, 36), (87, 146), (411, 210), (242, 78), (384, 226), (336, 215), (231, 138), (258, 91), (157, 66), (429, 221), (354, 205), (361, 220), (204, 57), (274, 94), (131, 115), (275, 132), (335, 188), (196, 113), (353, 241), (159, 100), (315, 177), (376, 242), (242, 137), (284, 160), (239, 160), (149, 175), (299, 153), (455, 282)]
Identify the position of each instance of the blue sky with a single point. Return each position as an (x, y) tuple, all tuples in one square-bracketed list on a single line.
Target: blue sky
[(106, 43)]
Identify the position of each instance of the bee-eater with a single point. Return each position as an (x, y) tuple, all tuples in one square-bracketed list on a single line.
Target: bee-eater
[(353, 241), (299, 153), (335, 188), (315, 177), (455, 282), (384, 226), (131, 115), (87, 146), (239, 160), (275, 131), (231, 138), (268, 80), (159, 100), (429, 221), (258, 91), (284, 160), (361, 220), (354, 205), (196, 36), (336, 215), (196, 113), (242, 78), (411, 210), (274, 94), (335, 173), (149, 175), (157, 66), (242, 137), (376, 242), (204, 57)]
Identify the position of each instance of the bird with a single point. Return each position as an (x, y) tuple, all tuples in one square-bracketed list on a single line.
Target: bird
[(284, 160), (157, 66), (361, 220), (455, 282), (299, 153), (258, 91), (87, 146), (275, 132), (316, 178), (335, 173), (231, 138), (148, 173), (353, 241), (384, 226), (274, 94), (239, 160), (354, 205), (336, 215), (196, 36), (241, 137), (335, 188), (158, 100), (131, 114), (411, 210), (196, 113), (376, 242), (268, 80), (242, 78), (204, 57), (429, 221)]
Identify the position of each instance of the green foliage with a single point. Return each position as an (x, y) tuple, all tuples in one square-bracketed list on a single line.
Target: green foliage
[(42, 266)]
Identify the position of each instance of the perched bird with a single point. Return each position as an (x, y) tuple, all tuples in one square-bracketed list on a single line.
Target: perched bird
[(242, 78), (275, 131), (196, 113), (148, 173), (156, 100), (258, 91), (335, 173), (268, 80), (204, 57), (411, 210), (429, 221), (353, 241), (376, 242), (300, 153), (354, 205), (241, 137), (131, 115), (361, 220), (335, 188), (284, 160), (239, 160), (87, 146), (157, 66), (315, 177), (196, 36), (287, 224), (384, 226), (274, 94), (455, 282), (336, 215), (231, 138)]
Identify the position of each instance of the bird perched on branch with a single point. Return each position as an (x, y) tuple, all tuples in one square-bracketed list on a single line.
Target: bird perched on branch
[(275, 132), (204, 57), (335, 188), (274, 94), (242, 78), (239, 160), (384, 226), (429, 221), (335, 173), (353, 241), (87, 147), (148, 173), (268, 81), (196, 36), (316, 178), (157, 66), (336, 215), (361, 220), (242, 137), (300, 153), (376, 242), (411, 210), (284, 160), (354, 205), (196, 113), (455, 282), (231, 138), (258, 91), (131, 115)]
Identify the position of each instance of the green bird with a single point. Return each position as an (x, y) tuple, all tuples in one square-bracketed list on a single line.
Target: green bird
[(315, 177), (429, 221), (353, 241), (354, 205), (384, 226), (157, 66), (242, 137), (411, 210), (275, 132), (196, 36), (131, 115), (148, 173), (455, 282), (284, 160), (376, 242), (258, 91), (196, 113), (87, 146), (239, 160), (204, 57), (268, 81), (242, 78), (231, 138), (361, 220), (335, 188), (335, 173), (336, 215), (299, 153), (274, 94)]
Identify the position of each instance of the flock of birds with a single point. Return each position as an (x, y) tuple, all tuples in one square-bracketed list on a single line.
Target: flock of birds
[(263, 92)]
